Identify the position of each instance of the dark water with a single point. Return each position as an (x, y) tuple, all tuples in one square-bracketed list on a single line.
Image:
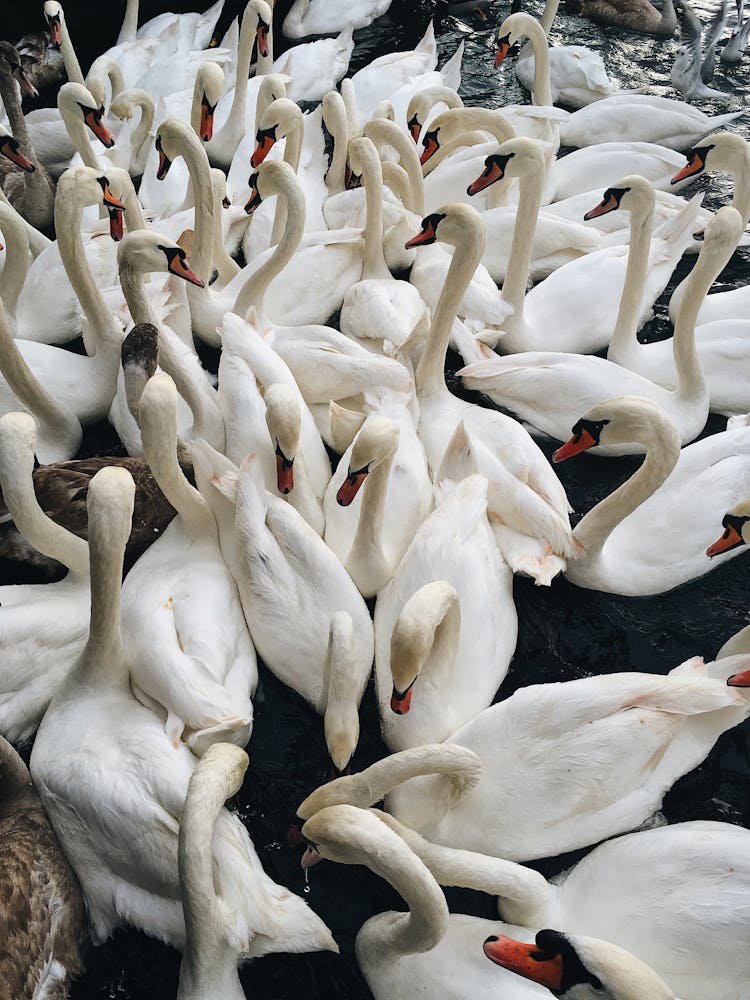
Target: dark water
[(564, 632)]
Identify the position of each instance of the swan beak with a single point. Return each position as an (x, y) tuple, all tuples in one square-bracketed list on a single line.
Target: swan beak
[(731, 539), (116, 227), (431, 146), (207, 120), (164, 162), (605, 206), (284, 472), (9, 148), (739, 680), (93, 118), (414, 128), (581, 441), (178, 266), (55, 31), (255, 199), (351, 180), (350, 487), (261, 35), (401, 700), (493, 172), (502, 50), (526, 960), (264, 144), (310, 857), (226, 201), (428, 233), (693, 166), (26, 85), (108, 198)]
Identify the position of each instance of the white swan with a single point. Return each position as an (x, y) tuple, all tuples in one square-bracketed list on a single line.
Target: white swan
[(325, 17), (565, 745), (628, 545), (185, 634), (378, 496), (119, 826), (209, 963), (569, 381), (540, 320), (43, 627), (443, 642), (691, 70), (285, 571), (524, 492), (133, 140), (736, 531)]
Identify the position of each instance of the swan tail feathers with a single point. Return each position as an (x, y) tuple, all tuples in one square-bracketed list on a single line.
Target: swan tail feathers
[(678, 230), (721, 121), (684, 695), (452, 69), (459, 460)]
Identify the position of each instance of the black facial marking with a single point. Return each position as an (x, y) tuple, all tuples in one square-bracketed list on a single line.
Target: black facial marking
[(575, 973), (593, 427)]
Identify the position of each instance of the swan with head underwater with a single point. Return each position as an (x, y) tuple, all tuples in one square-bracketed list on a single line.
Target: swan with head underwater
[(119, 826), (523, 493)]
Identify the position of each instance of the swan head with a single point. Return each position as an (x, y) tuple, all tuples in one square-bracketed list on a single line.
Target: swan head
[(264, 14), (144, 250), (278, 120), (736, 524), (511, 31), (454, 224), (273, 177), (87, 187), (283, 422), (514, 158), (720, 151), (631, 193), (75, 101), (575, 967), (171, 138), (624, 420), (376, 442), (423, 102), (54, 16), (9, 148), (209, 84), (10, 65)]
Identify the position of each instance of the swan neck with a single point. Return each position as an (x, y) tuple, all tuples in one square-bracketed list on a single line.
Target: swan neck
[(17, 258), (372, 177), (336, 124), (253, 291), (10, 92), (662, 452), (143, 100), (542, 94), (429, 376), (741, 197), (531, 185), (103, 657), (384, 132), (68, 52), (547, 18), (203, 235), (626, 327), (248, 30), (37, 241), (369, 533), (129, 28), (78, 135)]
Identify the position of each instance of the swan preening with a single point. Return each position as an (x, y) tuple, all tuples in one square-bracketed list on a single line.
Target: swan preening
[(301, 534)]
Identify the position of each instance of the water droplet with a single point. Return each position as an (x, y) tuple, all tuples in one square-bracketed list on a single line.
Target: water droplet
[(307, 880)]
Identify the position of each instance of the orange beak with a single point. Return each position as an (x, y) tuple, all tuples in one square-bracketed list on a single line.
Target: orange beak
[(525, 960), (284, 473), (108, 198), (574, 446), (427, 236), (261, 35), (401, 702), (502, 51), (207, 121), (16, 156), (694, 166), (606, 205), (94, 121), (116, 227), (55, 31), (492, 173), (265, 144), (178, 266), (731, 539), (739, 680), (164, 163), (431, 146), (414, 128), (350, 488)]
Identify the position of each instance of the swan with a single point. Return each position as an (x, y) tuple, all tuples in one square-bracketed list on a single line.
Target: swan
[(638, 15), (570, 383), (133, 140), (59, 37), (178, 595), (539, 321), (43, 921), (691, 71), (523, 491), (377, 308), (629, 548), (577, 74), (557, 742), (119, 826), (734, 49), (79, 110), (425, 950), (31, 192), (16, 266), (730, 152), (326, 17), (265, 413), (443, 642), (573, 965), (391, 478), (42, 626), (208, 970), (736, 530), (285, 571)]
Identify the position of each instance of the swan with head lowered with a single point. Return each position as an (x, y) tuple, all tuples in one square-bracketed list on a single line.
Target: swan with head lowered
[(178, 595), (565, 745), (114, 785), (572, 383), (326, 17), (631, 541), (523, 491), (286, 573)]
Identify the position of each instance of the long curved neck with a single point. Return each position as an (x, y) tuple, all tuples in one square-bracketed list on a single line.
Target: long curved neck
[(542, 94), (342, 691), (253, 291), (292, 155), (662, 444), (37, 240), (209, 963), (244, 54), (382, 132), (11, 96), (17, 258), (129, 27), (70, 59), (159, 434), (741, 170), (369, 533), (196, 159), (397, 179), (78, 133), (517, 273), (525, 893), (67, 226), (641, 227), (372, 178), (143, 100), (334, 119), (550, 12), (430, 623), (40, 531), (429, 376), (224, 264)]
